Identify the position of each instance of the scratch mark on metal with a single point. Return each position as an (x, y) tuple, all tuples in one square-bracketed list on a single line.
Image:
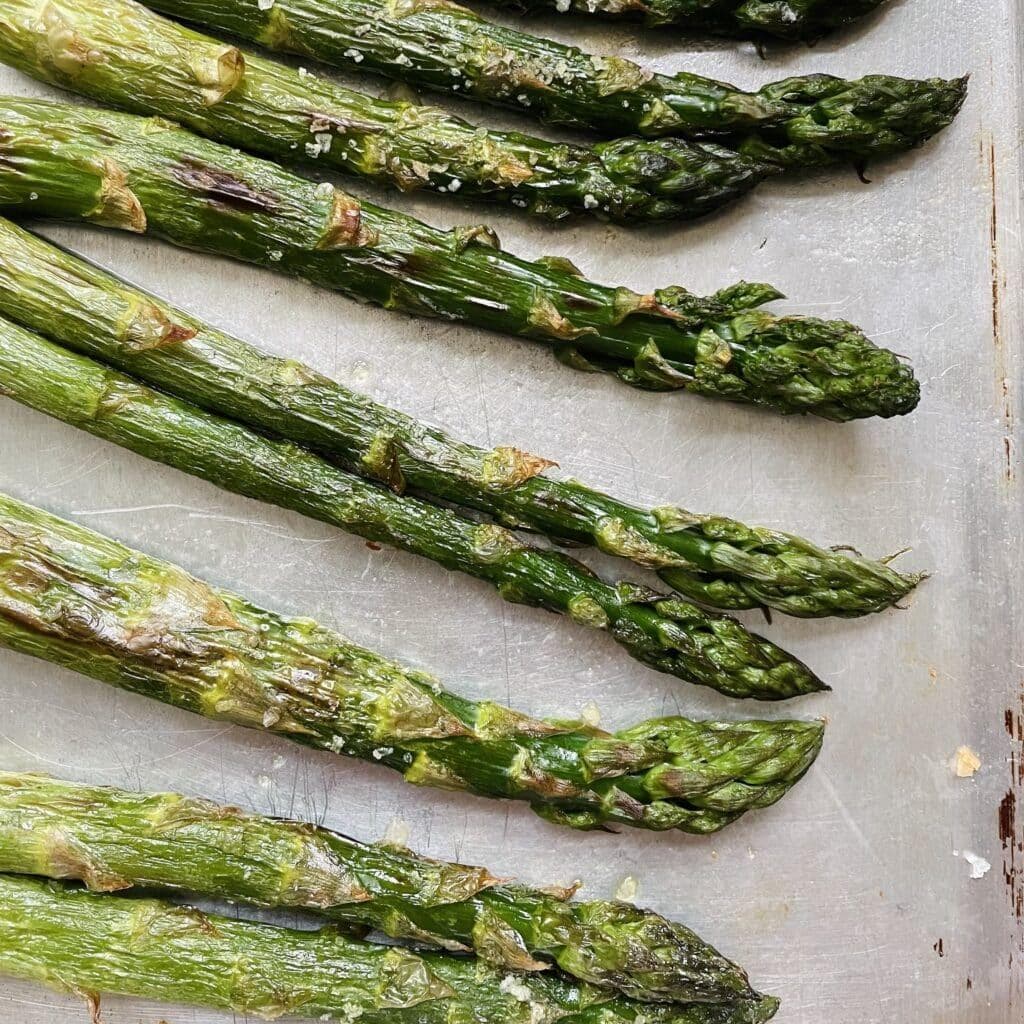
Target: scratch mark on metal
[(847, 817)]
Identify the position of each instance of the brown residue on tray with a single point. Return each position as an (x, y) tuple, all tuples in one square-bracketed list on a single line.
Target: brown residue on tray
[(1011, 827), (1004, 396)]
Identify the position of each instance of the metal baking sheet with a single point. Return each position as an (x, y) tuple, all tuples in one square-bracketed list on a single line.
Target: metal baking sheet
[(852, 899)]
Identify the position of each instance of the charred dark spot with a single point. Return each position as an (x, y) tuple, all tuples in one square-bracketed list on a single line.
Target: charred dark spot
[(223, 188), (580, 302), (395, 263)]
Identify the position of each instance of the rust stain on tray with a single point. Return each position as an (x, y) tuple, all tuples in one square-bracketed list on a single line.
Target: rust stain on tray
[(1011, 827), (1004, 396)]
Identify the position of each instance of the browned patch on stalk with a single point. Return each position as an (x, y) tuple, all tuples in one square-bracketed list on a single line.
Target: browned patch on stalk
[(508, 467), (67, 858), (149, 328), (345, 226), (223, 188), (118, 206), (579, 302)]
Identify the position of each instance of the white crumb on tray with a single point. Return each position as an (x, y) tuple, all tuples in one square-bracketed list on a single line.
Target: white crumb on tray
[(979, 866)]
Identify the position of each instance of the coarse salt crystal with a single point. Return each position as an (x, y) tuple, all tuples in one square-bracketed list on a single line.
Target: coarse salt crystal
[(397, 832), (627, 890)]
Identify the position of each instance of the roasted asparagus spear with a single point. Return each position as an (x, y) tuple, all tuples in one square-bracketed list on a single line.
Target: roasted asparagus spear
[(795, 123), (91, 943), (78, 599), (112, 839), (719, 561), (784, 19), (140, 174), (133, 58), (663, 631)]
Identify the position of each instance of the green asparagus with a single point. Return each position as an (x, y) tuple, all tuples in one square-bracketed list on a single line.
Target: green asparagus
[(794, 123), (111, 839), (139, 174), (716, 560), (89, 944), (663, 631), (784, 19), (85, 602), (118, 52)]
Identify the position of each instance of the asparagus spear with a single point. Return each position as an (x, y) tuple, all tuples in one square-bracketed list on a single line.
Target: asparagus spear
[(662, 631), (784, 19), (716, 560), (794, 123), (139, 174), (90, 943), (85, 602), (111, 839), (272, 109)]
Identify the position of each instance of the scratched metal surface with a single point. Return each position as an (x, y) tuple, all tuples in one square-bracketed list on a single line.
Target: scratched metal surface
[(848, 898)]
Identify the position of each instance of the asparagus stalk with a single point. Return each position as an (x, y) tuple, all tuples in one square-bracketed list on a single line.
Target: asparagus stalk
[(111, 839), (137, 60), (90, 943), (794, 123), (85, 602), (713, 559), (139, 174), (662, 631), (783, 19)]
